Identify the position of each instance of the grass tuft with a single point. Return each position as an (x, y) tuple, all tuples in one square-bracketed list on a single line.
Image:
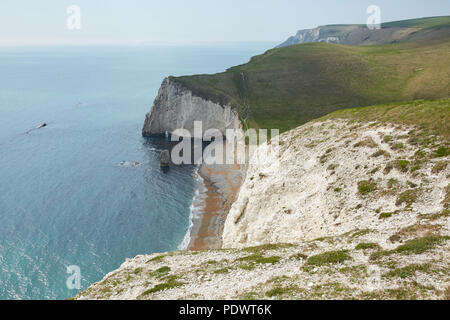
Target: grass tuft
[(329, 257), (365, 187)]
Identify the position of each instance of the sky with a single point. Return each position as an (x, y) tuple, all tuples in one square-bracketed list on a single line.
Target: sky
[(44, 22)]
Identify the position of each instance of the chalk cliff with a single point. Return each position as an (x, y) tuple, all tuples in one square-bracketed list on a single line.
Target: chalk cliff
[(329, 178), (176, 107)]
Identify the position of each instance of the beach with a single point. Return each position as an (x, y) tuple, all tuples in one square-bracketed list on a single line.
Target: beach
[(222, 184)]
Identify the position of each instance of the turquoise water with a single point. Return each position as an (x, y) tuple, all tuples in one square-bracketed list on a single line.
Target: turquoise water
[(87, 189)]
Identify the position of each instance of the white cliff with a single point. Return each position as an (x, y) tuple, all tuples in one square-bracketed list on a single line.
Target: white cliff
[(317, 186), (177, 108)]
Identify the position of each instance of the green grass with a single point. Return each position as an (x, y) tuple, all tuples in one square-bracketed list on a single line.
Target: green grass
[(442, 152), (408, 197), (366, 187), (259, 259), (419, 23), (329, 257), (366, 246), (222, 270), (385, 215), (402, 165), (266, 247), (171, 282), (161, 271), (420, 245), (156, 259), (414, 246), (281, 291), (430, 117), (286, 87), (408, 271), (436, 216)]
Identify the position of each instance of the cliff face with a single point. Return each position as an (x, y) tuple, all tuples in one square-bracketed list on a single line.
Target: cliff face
[(176, 108), (333, 177)]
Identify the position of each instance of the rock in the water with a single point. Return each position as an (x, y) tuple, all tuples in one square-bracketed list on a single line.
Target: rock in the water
[(165, 158)]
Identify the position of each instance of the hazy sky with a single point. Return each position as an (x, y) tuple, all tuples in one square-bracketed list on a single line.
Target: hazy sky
[(28, 22)]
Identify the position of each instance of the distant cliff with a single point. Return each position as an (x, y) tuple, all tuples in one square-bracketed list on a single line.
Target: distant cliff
[(176, 107), (352, 34)]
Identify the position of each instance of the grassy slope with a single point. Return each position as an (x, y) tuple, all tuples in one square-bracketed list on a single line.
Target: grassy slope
[(428, 22), (284, 88), (432, 116), (419, 23)]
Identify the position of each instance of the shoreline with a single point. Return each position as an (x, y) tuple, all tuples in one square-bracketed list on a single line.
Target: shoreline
[(221, 187)]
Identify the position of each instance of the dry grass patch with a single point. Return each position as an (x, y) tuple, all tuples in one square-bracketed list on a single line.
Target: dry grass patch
[(367, 142), (415, 230)]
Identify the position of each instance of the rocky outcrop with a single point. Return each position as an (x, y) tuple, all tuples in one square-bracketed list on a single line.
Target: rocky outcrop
[(176, 107), (164, 158)]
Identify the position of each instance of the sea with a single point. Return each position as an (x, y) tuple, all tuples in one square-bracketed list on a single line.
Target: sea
[(83, 193)]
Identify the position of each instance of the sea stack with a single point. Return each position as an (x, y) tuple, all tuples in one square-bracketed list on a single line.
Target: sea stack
[(164, 158)]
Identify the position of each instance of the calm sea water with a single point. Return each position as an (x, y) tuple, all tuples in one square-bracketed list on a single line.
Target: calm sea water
[(72, 193)]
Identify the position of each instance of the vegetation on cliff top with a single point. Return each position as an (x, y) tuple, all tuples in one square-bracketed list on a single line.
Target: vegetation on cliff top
[(431, 117)]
